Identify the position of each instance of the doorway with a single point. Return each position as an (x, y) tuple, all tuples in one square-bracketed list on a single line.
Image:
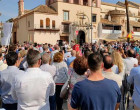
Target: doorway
[(15, 38), (81, 37)]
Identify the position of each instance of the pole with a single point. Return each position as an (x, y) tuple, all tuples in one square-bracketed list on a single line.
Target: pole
[(91, 19), (128, 24)]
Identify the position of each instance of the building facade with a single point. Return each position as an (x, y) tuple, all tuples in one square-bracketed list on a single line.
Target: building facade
[(78, 20)]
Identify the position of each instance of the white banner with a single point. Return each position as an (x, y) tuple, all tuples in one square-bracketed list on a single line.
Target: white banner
[(7, 33)]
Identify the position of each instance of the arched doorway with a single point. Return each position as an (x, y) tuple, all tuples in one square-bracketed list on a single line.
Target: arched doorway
[(81, 37)]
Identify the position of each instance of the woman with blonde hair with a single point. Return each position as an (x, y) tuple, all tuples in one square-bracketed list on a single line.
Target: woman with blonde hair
[(118, 60)]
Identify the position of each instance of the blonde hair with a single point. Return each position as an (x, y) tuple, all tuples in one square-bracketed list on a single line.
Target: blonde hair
[(117, 60)]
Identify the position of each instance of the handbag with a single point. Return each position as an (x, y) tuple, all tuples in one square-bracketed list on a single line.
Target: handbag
[(65, 89)]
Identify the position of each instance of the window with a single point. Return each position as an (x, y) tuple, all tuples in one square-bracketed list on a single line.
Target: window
[(94, 18), (67, 1), (85, 2), (66, 28), (136, 29), (41, 23), (28, 23), (53, 23), (47, 23), (117, 27), (76, 1), (66, 15)]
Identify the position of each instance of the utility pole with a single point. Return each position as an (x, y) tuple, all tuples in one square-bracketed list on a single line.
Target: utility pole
[(127, 15), (91, 20)]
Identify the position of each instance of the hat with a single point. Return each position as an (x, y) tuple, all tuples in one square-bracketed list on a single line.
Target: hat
[(69, 49)]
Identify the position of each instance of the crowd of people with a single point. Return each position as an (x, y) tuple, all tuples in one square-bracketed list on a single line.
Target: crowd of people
[(32, 75)]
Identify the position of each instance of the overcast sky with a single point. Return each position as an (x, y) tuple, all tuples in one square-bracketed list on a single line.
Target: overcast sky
[(9, 8)]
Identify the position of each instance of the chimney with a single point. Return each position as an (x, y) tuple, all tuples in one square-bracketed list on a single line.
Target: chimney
[(21, 7)]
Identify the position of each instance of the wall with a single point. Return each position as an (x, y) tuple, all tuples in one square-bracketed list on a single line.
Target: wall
[(23, 29), (43, 36), (73, 9)]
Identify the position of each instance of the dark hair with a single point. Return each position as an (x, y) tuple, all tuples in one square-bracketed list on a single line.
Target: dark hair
[(130, 53), (32, 57), (80, 65), (87, 53), (108, 63), (35, 44), (11, 58), (12, 48), (94, 61)]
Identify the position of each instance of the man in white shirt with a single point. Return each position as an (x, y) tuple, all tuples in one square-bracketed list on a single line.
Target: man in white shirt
[(107, 71), (130, 61), (7, 77), (32, 90)]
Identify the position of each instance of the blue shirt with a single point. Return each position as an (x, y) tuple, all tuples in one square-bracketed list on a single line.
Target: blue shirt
[(69, 60), (134, 78), (95, 95)]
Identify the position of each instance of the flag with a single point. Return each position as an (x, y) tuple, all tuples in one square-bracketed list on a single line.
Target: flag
[(7, 33)]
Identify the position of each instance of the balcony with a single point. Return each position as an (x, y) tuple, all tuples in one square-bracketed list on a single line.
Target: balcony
[(38, 28), (111, 31)]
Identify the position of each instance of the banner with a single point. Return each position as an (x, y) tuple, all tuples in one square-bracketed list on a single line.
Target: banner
[(7, 33)]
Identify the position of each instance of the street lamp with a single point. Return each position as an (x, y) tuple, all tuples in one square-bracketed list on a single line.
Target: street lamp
[(128, 24)]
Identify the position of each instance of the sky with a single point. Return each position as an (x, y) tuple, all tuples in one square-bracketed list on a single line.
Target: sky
[(9, 8)]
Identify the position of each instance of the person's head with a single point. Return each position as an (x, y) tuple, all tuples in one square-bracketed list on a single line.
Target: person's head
[(12, 48), (33, 58), (130, 53), (11, 58), (80, 65), (23, 53), (73, 53), (35, 44), (95, 62), (117, 60), (45, 58), (108, 62), (87, 53), (56, 47), (58, 57), (45, 48)]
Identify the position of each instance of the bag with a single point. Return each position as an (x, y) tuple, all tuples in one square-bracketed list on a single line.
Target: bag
[(65, 89)]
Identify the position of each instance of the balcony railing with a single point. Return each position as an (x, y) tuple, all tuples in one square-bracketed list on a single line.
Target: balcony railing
[(111, 31)]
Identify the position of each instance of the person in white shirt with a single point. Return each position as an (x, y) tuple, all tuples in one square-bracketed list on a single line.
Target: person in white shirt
[(107, 71), (7, 77), (3, 66), (32, 89), (130, 61), (45, 65)]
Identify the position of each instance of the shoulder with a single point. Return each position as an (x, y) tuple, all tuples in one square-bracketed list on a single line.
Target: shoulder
[(111, 82)]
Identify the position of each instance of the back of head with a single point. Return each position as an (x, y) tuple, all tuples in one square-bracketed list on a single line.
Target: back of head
[(11, 58), (32, 57), (35, 44), (80, 65), (130, 53), (94, 61), (73, 53), (45, 58), (87, 53), (56, 47), (12, 48), (58, 57), (45, 47), (108, 62)]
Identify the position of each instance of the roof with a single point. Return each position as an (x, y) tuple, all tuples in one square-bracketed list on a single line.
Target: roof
[(44, 9), (123, 4), (106, 21), (111, 4)]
